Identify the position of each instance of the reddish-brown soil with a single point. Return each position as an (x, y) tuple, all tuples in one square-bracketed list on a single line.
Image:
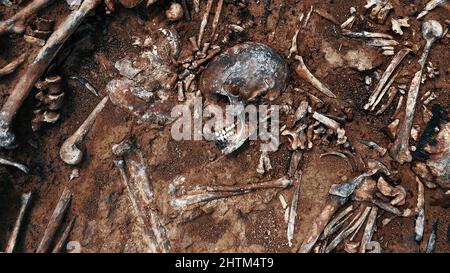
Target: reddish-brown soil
[(253, 222)]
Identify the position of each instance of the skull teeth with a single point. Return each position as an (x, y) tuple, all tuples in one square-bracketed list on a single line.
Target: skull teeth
[(225, 133)]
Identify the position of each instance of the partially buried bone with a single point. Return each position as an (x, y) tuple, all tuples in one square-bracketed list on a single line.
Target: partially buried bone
[(12, 66), (55, 221), (439, 159), (338, 196), (17, 23), (59, 246), (366, 34), (399, 150), (296, 157), (23, 168), (432, 238), (332, 204), (142, 197), (70, 151), (337, 222), (398, 192), (25, 200), (293, 211), (264, 163), (303, 72), (37, 67), (369, 230), (430, 6), (386, 75), (348, 230), (381, 150), (397, 25), (204, 22), (420, 210), (210, 193)]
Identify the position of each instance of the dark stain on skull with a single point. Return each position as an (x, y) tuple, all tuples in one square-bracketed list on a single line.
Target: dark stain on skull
[(248, 72)]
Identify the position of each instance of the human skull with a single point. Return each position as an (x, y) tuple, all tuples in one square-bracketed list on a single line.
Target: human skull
[(246, 73)]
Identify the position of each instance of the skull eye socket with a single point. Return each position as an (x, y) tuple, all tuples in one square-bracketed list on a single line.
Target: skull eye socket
[(232, 89)]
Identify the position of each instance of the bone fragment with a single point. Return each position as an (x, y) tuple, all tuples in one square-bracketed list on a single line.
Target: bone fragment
[(432, 239), (369, 229), (432, 4), (382, 151)]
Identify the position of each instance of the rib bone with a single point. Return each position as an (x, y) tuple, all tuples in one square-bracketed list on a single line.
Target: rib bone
[(432, 30), (23, 168), (37, 67), (69, 152), (13, 238), (304, 73), (216, 18)]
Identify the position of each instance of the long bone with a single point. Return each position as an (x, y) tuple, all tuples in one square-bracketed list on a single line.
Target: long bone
[(369, 229), (142, 197), (218, 192), (62, 240), (55, 221), (204, 21), (69, 152), (37, 67), (16, 24), (13, 238), (399, 151), (386, 75), (293, 211)]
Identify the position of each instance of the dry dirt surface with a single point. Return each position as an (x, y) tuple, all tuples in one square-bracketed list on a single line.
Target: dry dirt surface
[(106, 220)]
